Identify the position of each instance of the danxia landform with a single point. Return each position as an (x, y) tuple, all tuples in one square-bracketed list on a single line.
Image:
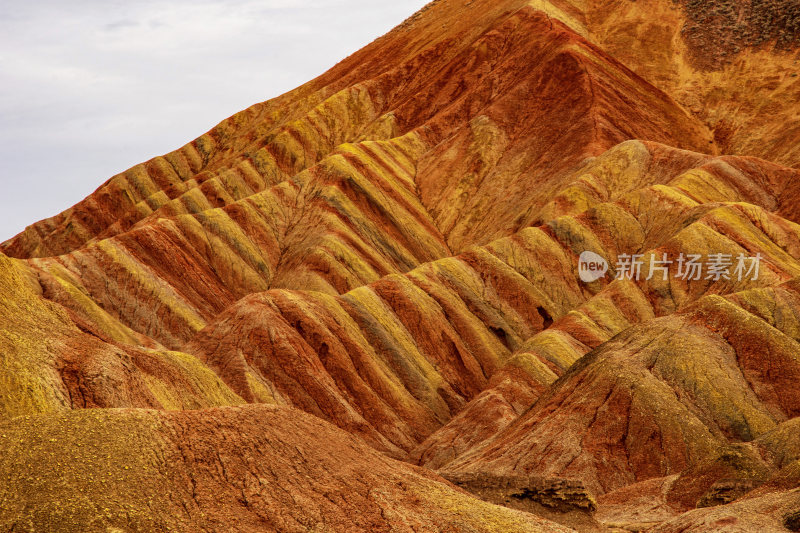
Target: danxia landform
[(358, 306)]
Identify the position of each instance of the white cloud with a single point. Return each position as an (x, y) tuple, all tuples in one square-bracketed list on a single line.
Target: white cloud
[(89, 88)]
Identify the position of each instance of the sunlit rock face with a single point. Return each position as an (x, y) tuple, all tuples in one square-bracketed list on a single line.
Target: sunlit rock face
[(424, 262)]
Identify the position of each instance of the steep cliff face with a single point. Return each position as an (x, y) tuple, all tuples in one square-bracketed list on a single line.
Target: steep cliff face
[(389, 254)]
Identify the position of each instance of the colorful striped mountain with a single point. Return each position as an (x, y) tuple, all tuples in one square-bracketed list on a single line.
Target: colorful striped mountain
[(357, 306)]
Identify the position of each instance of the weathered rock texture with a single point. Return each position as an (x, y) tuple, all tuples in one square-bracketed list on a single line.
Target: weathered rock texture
[(255, 468), (563, 501), (388, 255)]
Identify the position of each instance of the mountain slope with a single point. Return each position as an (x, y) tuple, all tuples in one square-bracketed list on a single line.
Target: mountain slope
[(255, 468), (53, 360), (343, 215), (393, 249), (734, 65), (684, 385)]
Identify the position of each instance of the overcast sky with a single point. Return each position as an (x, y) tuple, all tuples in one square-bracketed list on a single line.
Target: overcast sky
[(88, 88)]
